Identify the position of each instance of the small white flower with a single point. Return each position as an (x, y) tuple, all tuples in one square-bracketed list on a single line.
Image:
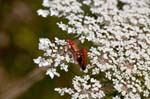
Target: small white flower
[(44, 44), (116, 97), (46, 3), (62, 91), (41, 61), (43, 13), (64, 67), (51, 72), (56, 56), (95, 71), (84, 87), (87, 2), (146, 93)]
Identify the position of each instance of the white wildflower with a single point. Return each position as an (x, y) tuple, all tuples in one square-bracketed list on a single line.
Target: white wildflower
[(55, 55), (120, 33), (43, 13), (84, 87), (41, 61), (51, 72), (116, 97)]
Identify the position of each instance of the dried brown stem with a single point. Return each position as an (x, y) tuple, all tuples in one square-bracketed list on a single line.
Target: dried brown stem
[(14, 89)]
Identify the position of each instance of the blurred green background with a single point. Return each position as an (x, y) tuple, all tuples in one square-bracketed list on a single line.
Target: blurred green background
[(20, 30)]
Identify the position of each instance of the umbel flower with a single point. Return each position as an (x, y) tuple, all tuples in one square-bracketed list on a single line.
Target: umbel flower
[(55, 55), (120, 33), (83, 88)]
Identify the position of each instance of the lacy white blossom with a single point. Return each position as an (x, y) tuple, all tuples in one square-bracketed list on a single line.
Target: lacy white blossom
[(130, 77), (59, 8), (83, 88), (120, 33), (55, 55)]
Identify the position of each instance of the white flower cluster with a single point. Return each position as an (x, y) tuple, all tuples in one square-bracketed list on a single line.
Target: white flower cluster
[(60, 8), (123, 51), (55, 55), (83, 88), (120, 32)]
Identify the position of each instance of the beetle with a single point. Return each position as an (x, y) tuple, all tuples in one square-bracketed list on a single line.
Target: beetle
[(74, 49), (82, 61), (72, 45), (79, 55)]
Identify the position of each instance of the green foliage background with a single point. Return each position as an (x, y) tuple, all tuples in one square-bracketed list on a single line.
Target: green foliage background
[(20, 30)]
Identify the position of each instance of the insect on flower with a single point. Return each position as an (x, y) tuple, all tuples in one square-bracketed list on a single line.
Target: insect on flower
[(74, 49), (72, 45), (79, 55), (83, 62)]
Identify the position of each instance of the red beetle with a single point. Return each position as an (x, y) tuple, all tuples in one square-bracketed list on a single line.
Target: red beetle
[(82, 61), (79, 55), (74, 48)]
